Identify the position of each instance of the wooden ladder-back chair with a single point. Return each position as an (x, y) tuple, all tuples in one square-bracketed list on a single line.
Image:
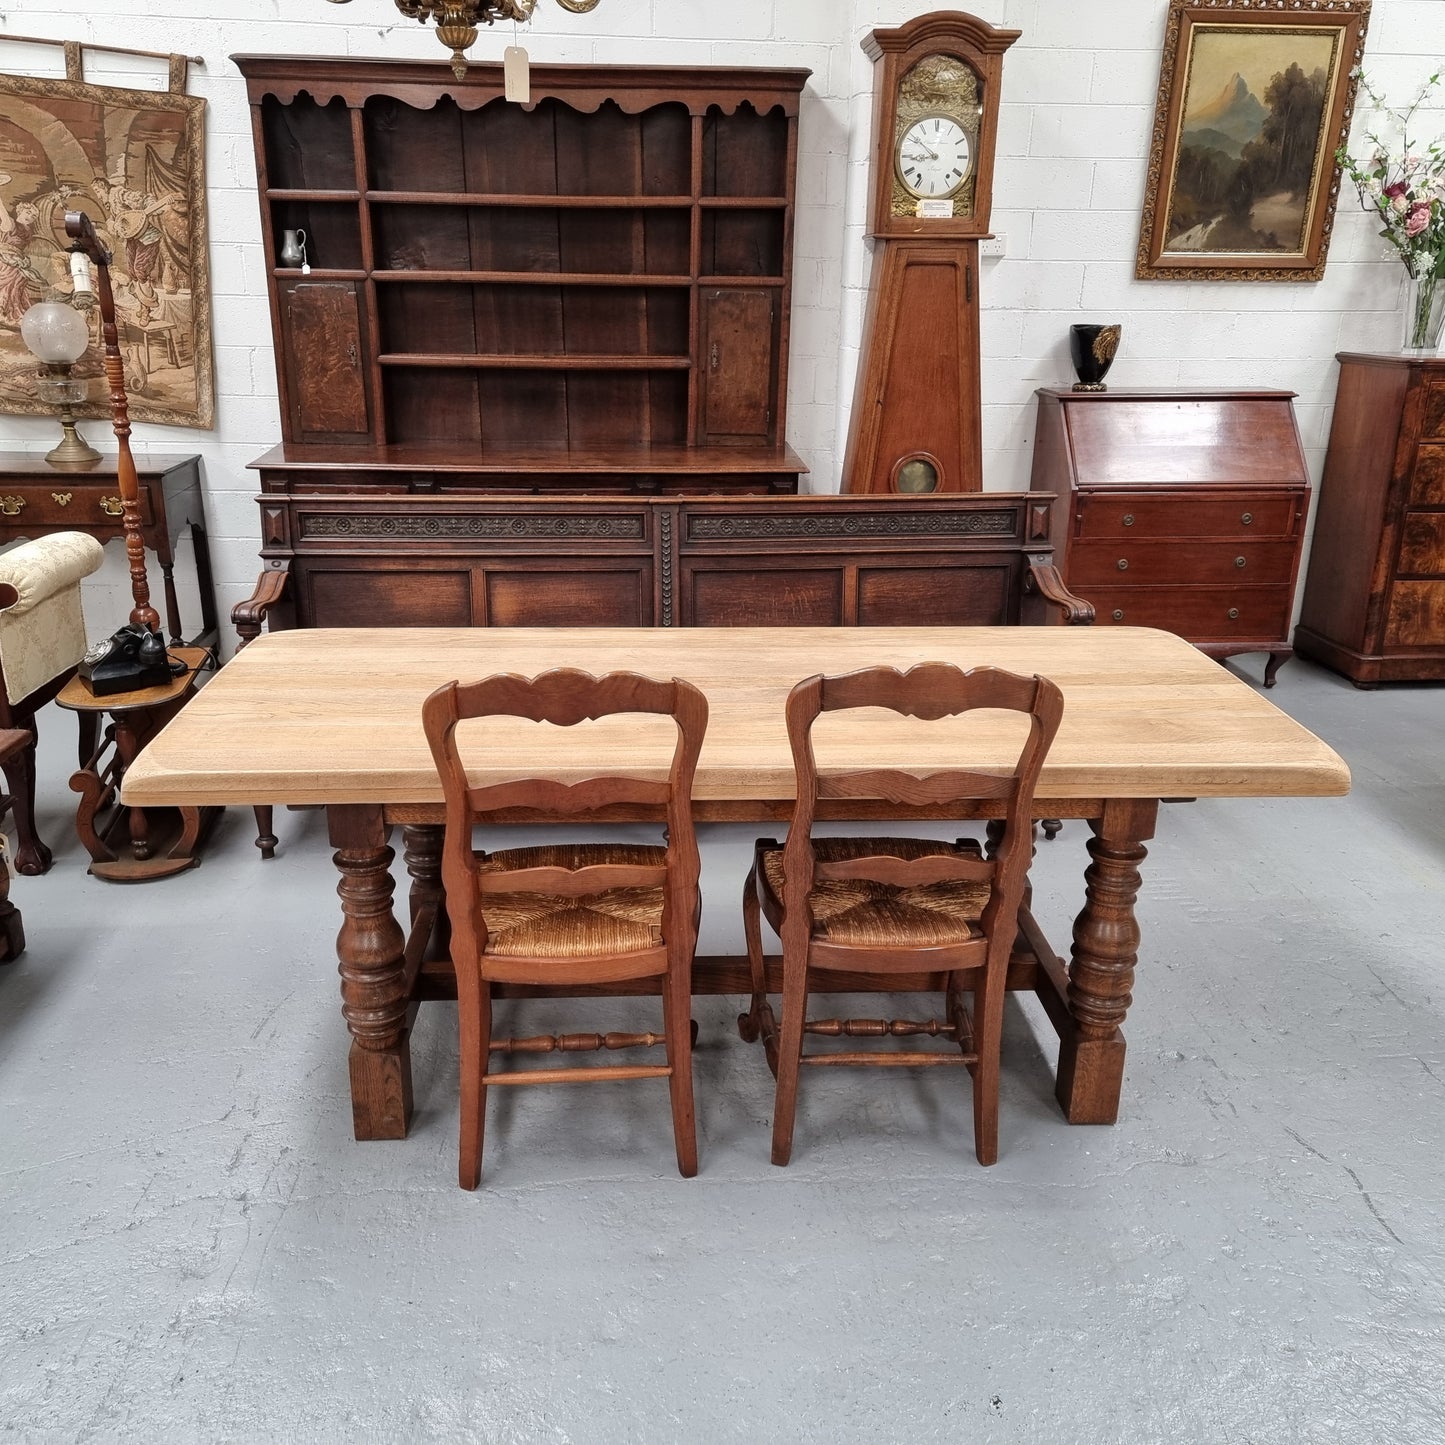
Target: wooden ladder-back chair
[(898, 905), (583, 913)]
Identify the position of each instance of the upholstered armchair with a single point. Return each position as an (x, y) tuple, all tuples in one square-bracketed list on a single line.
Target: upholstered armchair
[(42, 638)]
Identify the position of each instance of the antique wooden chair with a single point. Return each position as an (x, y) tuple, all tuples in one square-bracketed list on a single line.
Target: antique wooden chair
[(884, 906), (575, 913), (42, 638)]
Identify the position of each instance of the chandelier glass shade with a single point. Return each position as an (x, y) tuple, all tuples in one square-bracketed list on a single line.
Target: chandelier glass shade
[(457, 20)]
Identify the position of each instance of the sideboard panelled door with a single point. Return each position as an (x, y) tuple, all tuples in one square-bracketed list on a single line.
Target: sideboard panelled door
[(325, 358), (739, 365)]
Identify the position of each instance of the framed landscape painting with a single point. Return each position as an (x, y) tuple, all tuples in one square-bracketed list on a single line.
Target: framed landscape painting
[(1254, 99)]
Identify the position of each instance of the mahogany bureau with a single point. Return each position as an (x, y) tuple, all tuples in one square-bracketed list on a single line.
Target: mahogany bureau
[(1183, 510), (1374, 601)]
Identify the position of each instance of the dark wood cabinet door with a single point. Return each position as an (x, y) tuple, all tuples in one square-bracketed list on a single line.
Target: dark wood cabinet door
[(325, 361), (738, 361), (943, 592), (576, 592), (776, 592)]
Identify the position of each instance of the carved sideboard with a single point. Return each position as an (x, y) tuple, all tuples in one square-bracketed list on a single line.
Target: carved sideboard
[(393, 555)]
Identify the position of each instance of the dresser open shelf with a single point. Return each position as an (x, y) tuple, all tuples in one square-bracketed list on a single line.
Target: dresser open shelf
[(603, 272)]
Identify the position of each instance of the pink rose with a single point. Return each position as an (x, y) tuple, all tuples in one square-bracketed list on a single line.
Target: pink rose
[(1418, 219), (1395, 191)]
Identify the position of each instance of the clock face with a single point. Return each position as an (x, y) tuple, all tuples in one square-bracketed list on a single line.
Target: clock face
[(933, 157)]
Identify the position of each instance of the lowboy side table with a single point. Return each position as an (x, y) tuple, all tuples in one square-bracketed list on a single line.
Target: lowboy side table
[(37, 498)]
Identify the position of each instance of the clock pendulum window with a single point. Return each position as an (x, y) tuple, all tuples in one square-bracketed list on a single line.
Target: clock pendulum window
[(916, 420)]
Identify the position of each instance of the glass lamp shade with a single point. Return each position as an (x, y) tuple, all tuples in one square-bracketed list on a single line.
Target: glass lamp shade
[(55, 332)]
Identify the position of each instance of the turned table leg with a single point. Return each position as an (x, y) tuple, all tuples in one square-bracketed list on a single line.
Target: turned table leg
[(1101, 971), (370, 949), (422, 852)]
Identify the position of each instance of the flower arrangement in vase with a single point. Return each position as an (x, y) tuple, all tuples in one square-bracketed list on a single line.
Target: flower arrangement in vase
[(1404, 184)]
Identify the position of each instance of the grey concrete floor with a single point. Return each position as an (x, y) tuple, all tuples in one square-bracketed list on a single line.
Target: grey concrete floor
[(192, 1247)]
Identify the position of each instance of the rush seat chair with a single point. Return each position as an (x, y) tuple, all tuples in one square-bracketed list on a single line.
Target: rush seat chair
[(880, 906), (570, 913)]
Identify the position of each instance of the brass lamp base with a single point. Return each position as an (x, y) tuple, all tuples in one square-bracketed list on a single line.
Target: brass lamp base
[(72, 450)]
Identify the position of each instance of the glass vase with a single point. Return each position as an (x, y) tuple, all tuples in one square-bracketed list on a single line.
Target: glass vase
[(1424, 312)]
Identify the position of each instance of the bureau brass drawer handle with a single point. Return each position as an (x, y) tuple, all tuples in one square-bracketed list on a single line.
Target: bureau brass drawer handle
[(1239, 561), (1128, 519), (1123, 564), (1233, 613), (12, 506), (62, 498), (1247, 518), (111, 506), (1118, 614)]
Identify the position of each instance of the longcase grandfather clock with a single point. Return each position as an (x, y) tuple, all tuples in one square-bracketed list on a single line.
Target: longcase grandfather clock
[(915, 425)]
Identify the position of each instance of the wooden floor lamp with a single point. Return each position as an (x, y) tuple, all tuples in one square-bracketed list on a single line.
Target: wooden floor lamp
[(81, 230), (125, 844)]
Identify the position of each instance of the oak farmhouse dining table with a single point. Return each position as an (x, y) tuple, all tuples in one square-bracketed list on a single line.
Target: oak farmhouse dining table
[(332, 717)]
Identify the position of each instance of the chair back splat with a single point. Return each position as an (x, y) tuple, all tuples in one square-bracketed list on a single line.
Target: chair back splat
[(896, 905), (570, 913)]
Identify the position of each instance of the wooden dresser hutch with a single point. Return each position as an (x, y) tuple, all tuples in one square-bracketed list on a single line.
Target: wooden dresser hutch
[(589, 291), (536, 374)]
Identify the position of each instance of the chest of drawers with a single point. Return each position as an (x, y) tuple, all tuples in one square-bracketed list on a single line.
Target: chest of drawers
[(1182, 510), (1374, 599)]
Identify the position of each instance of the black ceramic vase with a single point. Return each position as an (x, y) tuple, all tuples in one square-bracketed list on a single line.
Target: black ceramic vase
[(1092, 348)]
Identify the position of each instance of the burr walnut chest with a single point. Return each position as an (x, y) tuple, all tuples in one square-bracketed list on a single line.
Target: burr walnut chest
[(1374, 600), (1183, 510)]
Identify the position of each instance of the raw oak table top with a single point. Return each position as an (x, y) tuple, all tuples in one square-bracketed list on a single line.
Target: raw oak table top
[(333, 717)]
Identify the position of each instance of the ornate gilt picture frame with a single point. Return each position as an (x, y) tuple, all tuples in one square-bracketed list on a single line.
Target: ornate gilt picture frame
[(134, 161), (1255, 97)]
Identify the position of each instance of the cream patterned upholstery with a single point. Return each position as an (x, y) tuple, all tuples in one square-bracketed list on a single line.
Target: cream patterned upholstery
[(42, 633)]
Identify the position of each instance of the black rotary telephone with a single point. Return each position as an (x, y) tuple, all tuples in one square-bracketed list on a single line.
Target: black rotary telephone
[(132, 658)]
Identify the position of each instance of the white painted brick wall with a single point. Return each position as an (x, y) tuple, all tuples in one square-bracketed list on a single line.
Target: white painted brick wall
[(1078, 98)]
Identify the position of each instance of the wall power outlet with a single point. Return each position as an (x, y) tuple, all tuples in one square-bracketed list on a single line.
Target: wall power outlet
[(996, 245)]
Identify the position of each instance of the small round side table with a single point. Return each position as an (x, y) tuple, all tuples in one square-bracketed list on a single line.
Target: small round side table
[(132, 845)]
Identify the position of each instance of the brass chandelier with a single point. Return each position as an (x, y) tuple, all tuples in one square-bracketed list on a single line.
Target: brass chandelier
[(457, 20)]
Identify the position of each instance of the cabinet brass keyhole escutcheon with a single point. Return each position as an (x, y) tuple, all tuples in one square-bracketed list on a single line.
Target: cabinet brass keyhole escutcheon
[(1233, 613), (1239, 561), (1123, 564), (1128, 519), (1118, 614), (111, 506), (12, 506), (62, 499), (1247, 518)]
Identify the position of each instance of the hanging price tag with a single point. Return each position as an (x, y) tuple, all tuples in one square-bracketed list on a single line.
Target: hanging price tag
[(516, 76)]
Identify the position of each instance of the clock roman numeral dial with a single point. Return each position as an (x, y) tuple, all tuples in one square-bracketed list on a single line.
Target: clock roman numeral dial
[(933, 157)]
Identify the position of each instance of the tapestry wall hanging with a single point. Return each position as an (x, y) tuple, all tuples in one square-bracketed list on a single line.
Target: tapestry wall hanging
[(134, 161)]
